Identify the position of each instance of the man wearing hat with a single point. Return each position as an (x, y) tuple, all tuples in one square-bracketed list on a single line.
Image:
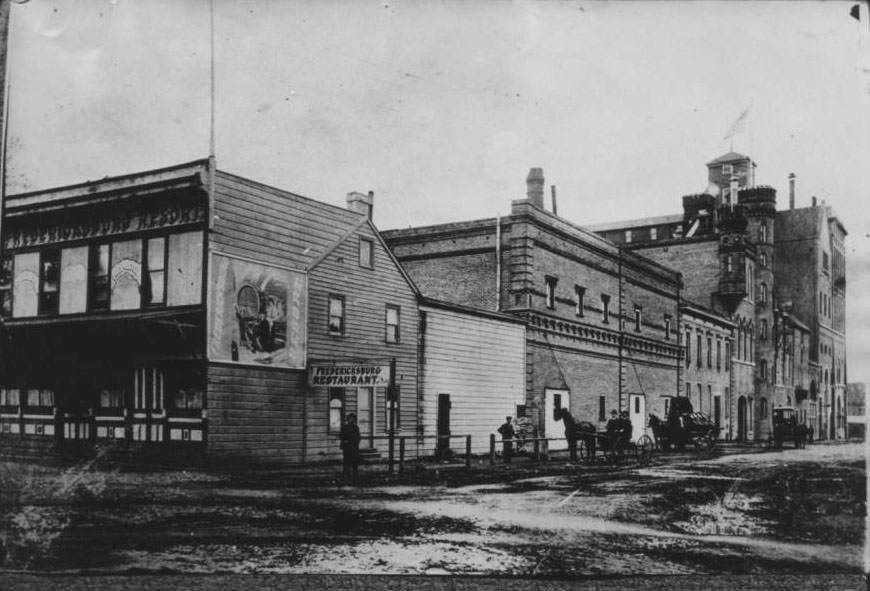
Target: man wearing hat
[(349, 437), (613, 424)]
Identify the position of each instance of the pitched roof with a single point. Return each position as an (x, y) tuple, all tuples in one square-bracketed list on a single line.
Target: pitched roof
[(729, 157)]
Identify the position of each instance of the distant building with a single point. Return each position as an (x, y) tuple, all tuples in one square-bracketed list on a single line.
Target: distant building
[(601, 320), (856, 410), (778, 275)]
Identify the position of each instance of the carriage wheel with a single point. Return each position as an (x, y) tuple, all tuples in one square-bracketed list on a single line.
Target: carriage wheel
[(645, 447)]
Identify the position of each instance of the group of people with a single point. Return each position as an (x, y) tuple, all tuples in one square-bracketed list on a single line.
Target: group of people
[(619, 427)]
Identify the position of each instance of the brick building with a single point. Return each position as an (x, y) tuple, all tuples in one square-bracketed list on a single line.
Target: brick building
[(779, 276), (601, 321)]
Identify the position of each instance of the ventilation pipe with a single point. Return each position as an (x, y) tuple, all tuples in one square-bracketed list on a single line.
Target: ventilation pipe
[(791, 178)]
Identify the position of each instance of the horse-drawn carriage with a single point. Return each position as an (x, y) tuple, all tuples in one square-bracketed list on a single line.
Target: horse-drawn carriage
[(786, 427), (613, 446), (683, 426)]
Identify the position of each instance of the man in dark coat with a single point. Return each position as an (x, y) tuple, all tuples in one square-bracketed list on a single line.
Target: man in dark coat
[(570, 432), (507, 437), (349, 437)]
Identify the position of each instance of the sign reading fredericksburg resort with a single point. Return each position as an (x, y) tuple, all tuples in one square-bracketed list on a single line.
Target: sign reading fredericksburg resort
[(349, 374)]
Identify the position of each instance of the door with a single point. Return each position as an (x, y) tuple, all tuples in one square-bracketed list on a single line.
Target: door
[(553, 401), (741, 419), (717, 414), (443, 425), (364, 408), (636, 413)]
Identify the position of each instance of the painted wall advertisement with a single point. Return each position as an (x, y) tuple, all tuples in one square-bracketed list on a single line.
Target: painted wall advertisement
[(258, 314)]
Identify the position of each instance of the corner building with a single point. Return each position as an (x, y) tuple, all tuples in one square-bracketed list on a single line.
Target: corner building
[(601, 321), (779, 276), (188, 314)]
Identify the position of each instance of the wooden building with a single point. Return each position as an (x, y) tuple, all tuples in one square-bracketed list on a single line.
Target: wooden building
[(188, 312)]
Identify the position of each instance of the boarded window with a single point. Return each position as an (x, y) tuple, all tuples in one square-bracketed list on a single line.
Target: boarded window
[(126, 275), (73, 280), (26, 285), (184, 274)]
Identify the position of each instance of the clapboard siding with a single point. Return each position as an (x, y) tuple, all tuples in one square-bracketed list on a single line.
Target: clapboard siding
[(480, 362), (268, 414), (255, 409), (367, 291)]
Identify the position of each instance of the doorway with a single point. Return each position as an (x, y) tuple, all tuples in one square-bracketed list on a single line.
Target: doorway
[(636, 413), (717, 414), (741, 419), (442, 445), (553, 428)]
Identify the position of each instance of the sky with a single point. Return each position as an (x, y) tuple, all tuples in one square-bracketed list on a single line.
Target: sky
[(441, 108)]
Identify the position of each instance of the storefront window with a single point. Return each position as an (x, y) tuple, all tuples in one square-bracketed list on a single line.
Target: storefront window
[(50, 281), (73, 280), (6, 286), (9, 397), (40, 398), (187, 398), (184, 277), (26, 285), (126, 275), (98, 275), (111, 398), (155, 286)]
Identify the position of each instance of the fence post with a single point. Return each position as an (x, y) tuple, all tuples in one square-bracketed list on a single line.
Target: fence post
[(546, 453), (537, 449), (468, 451), (491, 449), (401, 455)]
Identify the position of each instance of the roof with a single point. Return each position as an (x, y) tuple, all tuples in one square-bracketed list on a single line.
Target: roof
[(729, 157), (636, 223)]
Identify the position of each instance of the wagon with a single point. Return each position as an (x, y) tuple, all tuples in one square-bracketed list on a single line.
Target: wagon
[(614, 450), (787, 428), (683, 426)]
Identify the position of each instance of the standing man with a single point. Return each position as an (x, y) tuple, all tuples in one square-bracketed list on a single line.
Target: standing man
[(570, 432), (507, 438), (349, 437)]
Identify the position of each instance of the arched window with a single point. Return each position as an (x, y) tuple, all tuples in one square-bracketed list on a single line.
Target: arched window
[(763, 293), (762, 370), (763, 408), (763, 233)]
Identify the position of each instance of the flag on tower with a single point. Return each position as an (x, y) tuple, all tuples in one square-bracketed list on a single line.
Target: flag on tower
[(739, 125)]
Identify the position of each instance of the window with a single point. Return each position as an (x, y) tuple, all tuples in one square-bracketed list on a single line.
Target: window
[(728, 264), (551, 291), (601, 408), (579, 292), (126, 275), (112, 398), (366, 253), (6, 286), (25, 286), (392, 324), (653, 233), (9, 397), (605, 308), (638, 311), (98, 278), (762, 235), (73, 280), (40, 398), (49, 279), (154, 283), (762, 369), (700, 397), (628, 236), (763, 408), (718, 355), (688, 347), (763, 260), (187, 398), (727, 170), (688, 390), (709, 352), (667, 326), (699, 351), (336, 409), (184, 269), (825, 262), (335, 321), (763, 336), (727, 355), (763, 294)]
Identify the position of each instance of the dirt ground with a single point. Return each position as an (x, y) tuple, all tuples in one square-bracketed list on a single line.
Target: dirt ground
[(788, 512)]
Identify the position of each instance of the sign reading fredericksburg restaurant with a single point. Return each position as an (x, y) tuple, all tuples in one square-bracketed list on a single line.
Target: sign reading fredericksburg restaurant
[(337, 375)]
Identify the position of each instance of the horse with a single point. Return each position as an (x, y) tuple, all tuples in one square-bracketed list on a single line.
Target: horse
[(800, 436), (587, 433)]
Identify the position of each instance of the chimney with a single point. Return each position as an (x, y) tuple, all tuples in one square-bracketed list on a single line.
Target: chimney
[(535, 187), (791, 178), (814, 200), (553, 193), (362, 204)]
